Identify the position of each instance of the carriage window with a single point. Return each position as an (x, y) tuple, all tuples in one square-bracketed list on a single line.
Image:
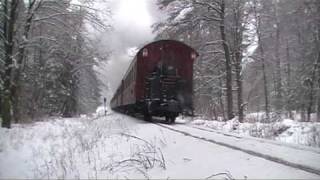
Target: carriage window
[(145, 52), (193, 55)]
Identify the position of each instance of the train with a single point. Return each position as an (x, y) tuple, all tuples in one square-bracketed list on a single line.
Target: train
[(158, 82)]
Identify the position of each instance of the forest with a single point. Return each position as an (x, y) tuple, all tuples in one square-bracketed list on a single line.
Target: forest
[(256, 56), (47, 58)]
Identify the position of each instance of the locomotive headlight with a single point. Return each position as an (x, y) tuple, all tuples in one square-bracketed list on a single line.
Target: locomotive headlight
[(145, 52), (193, 55)]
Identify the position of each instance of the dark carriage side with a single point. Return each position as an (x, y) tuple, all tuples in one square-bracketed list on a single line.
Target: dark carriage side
[(158, 81)]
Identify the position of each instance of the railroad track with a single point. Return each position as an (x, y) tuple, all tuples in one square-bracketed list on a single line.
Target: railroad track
[(266, 156)]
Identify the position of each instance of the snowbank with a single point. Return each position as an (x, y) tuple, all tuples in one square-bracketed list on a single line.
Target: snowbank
[(101, 111), (75, 148), (287, 130)]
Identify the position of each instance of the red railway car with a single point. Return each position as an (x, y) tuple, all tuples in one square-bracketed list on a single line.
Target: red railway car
[(158, 82)]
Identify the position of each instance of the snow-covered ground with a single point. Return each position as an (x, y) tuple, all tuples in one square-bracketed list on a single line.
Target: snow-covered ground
[(286, 130), (118, 146)]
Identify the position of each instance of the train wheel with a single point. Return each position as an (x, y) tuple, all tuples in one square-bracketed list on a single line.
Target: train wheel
[(170, 119), (167, 119), (147, 117), (173, 118)]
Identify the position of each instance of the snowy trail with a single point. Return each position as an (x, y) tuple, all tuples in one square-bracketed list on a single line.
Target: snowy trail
[(303, 158)]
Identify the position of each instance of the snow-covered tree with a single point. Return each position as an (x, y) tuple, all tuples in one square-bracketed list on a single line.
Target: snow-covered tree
[(51, 54)]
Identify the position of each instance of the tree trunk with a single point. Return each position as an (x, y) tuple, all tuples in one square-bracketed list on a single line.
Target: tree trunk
[(238, 32), (278, 81), (225, 45), (221, 101), (318, 102), (312, 96), (70, 105), (265, 82), (302, 114), (6, 111), (288, 102), (20, 60), (8, 34), (311, 93), (318, 66), (265, 85), (239, 87)]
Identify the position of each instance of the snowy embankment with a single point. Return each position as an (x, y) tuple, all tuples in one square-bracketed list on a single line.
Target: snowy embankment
[(75, 148), (288, 131), (118, 146)]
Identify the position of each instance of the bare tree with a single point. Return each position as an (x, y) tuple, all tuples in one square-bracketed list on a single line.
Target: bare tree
[(261, 49), (227, 55), (239, 24)]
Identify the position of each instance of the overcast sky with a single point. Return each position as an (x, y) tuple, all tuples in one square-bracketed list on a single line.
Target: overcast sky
[(132, 21)]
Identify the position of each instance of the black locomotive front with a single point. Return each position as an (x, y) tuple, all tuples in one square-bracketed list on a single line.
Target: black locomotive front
[(165, 94)]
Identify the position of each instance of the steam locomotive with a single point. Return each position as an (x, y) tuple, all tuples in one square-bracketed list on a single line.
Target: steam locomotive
[(158, 82)]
